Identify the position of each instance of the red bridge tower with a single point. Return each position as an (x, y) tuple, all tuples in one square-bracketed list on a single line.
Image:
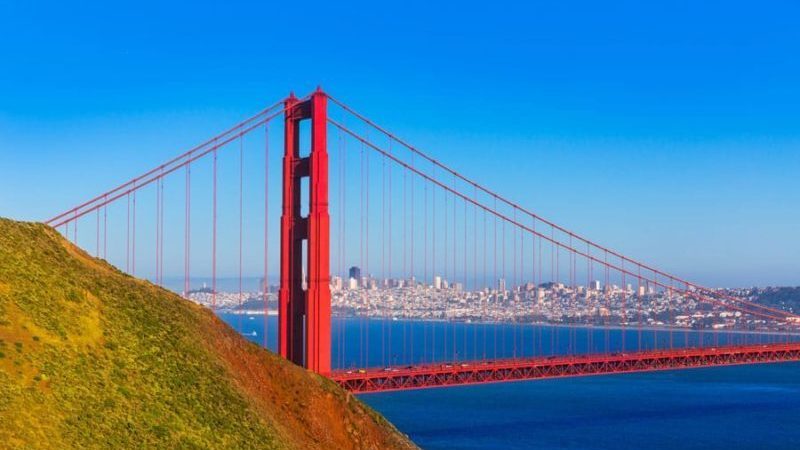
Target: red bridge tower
[(304, 306)]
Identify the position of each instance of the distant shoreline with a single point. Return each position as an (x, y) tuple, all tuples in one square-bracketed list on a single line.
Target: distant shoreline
[(274, 313)]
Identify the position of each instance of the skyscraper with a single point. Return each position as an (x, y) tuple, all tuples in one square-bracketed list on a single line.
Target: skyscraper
[(355, 273)]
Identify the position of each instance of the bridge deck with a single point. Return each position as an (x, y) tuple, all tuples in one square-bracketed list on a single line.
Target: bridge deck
[(462, 373)]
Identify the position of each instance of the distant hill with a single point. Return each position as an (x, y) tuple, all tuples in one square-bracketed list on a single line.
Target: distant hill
[(93, 358), (786, 297)]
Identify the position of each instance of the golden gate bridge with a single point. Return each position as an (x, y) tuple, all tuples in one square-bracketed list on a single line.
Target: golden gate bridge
[(525, 297)]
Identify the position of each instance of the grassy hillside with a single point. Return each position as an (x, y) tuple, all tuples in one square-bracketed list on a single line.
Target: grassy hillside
[(93, 358)]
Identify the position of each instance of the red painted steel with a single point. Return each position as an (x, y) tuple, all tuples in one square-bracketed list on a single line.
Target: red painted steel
[(290, 294), (454, 374), (304, 330), (318, 300), (304, 314)]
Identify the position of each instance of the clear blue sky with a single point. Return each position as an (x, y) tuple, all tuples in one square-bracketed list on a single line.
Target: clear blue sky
[(669, 130)]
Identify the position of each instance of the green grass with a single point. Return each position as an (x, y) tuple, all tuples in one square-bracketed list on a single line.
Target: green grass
[(102, 360)]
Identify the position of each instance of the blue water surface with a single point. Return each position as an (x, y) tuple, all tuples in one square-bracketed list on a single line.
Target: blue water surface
[(742, 407)]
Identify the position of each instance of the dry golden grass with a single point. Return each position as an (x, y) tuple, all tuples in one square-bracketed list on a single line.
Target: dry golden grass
[(92, 358)]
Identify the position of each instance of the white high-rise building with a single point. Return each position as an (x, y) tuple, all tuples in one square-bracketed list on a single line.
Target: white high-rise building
[(336, 283), (437, 282)]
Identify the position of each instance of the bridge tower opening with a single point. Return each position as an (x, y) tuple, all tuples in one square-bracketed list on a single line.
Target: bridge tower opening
[(304, 297)]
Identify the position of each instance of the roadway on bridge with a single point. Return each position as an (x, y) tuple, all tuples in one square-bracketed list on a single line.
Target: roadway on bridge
[(464, 373)]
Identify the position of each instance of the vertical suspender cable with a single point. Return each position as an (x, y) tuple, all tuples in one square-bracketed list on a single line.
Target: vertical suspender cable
[(366, 250), (241, 221), (97, 229), (413, 278), (265, 287), (159, 229), (343, 256), (128, 235), (455, 352), (384, 275), (624, 314), (433, 260), (187, 232), (495, 280), (361, 257), (464, 289), (446, 280), (214, 235), (133, 243), (105, 230), (425, 278)]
